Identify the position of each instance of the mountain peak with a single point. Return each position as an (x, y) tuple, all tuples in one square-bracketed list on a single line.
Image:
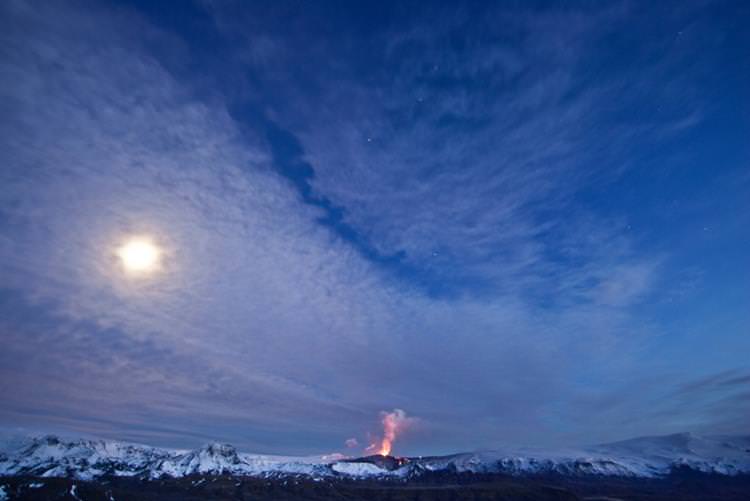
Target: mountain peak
[(219, 449), (48, 439)]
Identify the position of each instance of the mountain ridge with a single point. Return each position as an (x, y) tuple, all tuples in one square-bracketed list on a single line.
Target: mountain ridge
[(648, 457)]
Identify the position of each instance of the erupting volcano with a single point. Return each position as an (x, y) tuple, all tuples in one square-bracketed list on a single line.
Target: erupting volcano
[(394, 423)]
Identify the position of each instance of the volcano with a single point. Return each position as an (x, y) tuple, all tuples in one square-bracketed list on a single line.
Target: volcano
[(388, 463)]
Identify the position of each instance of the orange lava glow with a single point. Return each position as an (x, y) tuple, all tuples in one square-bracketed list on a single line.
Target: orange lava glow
[(394, 423), (385, 447)]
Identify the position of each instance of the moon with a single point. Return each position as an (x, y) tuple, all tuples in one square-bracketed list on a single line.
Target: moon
[(139, 256)]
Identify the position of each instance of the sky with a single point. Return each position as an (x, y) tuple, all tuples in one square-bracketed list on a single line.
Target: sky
[(512, 223)]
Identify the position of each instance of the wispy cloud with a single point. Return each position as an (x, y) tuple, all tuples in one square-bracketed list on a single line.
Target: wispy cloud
[(437, 254), (466, 155)]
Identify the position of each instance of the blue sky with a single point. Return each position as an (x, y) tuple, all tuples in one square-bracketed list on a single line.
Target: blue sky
[(521, 223)]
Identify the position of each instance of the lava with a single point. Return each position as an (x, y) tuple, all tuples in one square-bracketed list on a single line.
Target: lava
[(394, 423)]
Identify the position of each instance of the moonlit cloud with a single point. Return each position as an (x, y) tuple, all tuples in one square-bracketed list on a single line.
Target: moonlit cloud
[(414, 224)]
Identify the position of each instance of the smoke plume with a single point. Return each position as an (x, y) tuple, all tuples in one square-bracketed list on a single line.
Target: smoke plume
[(394, 423)]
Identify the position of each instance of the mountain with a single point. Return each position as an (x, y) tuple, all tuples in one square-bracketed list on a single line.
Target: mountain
[(639, 457), (51, 456), (646, 457)]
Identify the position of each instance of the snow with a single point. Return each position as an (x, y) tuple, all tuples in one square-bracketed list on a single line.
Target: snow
[(641, 457), (358, 469), (73, 492), (3, 494), (50, 456)]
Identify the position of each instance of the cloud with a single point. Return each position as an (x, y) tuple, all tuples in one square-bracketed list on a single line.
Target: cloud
[(466, 160), (271, 326), (116, 156)]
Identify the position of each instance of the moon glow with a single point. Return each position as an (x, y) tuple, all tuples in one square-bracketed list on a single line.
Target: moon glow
[(139, 256)]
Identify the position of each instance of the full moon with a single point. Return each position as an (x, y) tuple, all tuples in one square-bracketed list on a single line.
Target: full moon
[(139, 255)]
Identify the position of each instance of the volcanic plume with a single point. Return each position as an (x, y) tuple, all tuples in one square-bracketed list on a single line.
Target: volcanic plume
[(394, 423)]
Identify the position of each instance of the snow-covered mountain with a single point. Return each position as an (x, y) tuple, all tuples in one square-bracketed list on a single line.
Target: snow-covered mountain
[(51, 456), (639, 457)]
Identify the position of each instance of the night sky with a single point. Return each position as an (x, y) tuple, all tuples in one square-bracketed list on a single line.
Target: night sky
[(520, 223)]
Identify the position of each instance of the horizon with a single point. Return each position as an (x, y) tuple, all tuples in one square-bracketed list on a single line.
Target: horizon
[(338, 455), (374, 226)]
